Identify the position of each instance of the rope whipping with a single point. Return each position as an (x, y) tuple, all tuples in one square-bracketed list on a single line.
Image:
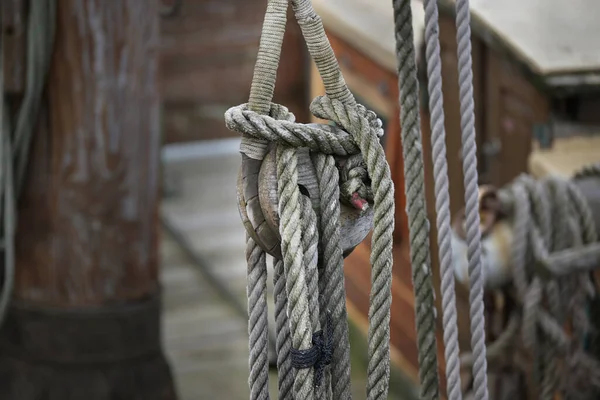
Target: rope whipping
[(471, 181), (363, 130), (555, 246), (442, 200), (15, 139), (418, 223)]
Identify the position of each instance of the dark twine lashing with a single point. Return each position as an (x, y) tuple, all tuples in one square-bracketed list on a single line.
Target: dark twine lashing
[(319, 355)]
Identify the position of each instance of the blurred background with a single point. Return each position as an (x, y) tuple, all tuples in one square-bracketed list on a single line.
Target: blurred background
[(130, 194), (536, 96)]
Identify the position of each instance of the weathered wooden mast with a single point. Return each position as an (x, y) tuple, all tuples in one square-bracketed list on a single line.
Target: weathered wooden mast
[(84, 322)]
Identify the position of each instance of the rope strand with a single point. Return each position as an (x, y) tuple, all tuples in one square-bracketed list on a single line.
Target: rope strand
[(442, 200), (415, 199), (469, 158)]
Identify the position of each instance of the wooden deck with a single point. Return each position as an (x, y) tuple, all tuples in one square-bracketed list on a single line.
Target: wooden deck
[(204, 334)]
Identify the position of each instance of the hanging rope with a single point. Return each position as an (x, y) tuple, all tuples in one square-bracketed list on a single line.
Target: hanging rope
[(442, 200), (415, 200), (471, 181), (15, 140), (315, 297), (555, 247)]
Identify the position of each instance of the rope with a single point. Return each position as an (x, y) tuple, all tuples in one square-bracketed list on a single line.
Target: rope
[(469, 158), (314, 286), (415, 199), (257, 321), (551, 221), (331, 280), (283, 343), (442, 197), (15, 142), (261, 92)]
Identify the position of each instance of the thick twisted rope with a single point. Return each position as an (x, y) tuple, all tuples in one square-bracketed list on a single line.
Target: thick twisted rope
[(442, 200), (258, 379), (310, 301), (331, 280), (261, 93), (15, 140), (415, 198), (283, 343), (310, 243), (469, 158), (290, 226), (552, 227), (359, 126)]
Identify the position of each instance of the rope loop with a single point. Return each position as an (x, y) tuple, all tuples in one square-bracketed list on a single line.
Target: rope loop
[(286, 131), (555, 246)]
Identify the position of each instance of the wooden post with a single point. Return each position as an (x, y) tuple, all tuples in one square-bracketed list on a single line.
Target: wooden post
[(85, 317)]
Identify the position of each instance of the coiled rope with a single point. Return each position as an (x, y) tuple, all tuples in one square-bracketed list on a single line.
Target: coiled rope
[(315, 297), (15, 139), (555, 246)]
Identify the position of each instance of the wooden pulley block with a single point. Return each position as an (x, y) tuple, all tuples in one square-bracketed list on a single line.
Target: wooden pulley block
[(258, 202)]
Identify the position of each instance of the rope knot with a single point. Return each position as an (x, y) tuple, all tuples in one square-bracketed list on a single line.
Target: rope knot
[(356, 119), (319, 355), (355, 184)]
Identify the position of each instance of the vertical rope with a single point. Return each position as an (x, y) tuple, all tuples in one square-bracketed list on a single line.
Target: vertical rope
[(258, 379), (292, 252), (332, 286), (283, 343), (469, 157), (442, 199), (310, 243), (415, 198), (261, 94)]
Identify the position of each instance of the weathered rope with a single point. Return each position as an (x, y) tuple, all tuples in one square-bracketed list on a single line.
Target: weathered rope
[(471, 181), (331, 279), (311, 300), (261, 93), (552, 227), (442, 200), (415, 199), (283, 344), (258, 379), (15, 140)]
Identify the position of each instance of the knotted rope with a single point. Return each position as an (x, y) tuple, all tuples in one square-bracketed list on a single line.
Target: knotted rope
[(555, 245), (15, 139), (316, 296)]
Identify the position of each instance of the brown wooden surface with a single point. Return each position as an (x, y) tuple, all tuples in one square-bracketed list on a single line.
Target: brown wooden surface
[(513, 108), (84, 321), (87, 219), (208, 51)]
